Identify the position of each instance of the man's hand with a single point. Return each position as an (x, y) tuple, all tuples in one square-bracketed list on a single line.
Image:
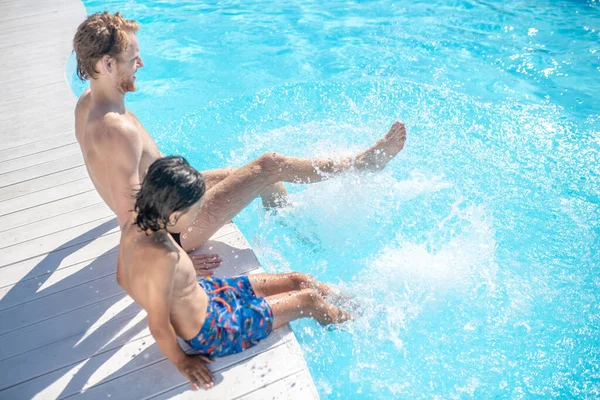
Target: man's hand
[(194, 368), (205, 263)]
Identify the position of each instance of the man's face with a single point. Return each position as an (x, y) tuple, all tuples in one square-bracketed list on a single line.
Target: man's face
[(128, 63)]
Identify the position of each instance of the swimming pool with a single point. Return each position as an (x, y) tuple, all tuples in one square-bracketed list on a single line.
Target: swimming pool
[(475, 254)]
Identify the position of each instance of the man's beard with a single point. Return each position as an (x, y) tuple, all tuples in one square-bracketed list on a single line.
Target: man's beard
[(125, 84)]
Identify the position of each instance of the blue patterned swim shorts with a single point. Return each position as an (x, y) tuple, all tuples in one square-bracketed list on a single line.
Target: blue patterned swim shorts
[(235, 318)]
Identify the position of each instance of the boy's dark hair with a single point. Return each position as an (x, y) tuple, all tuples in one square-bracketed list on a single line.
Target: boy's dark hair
[(170, 185)]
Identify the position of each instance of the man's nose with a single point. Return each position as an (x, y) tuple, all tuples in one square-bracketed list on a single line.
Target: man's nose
[(140, 63)]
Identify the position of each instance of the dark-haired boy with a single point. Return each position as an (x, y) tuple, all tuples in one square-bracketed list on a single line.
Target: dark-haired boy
[(217, 317)]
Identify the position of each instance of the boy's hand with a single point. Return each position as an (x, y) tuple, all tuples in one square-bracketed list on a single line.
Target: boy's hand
[(204, 264), (194, 368)]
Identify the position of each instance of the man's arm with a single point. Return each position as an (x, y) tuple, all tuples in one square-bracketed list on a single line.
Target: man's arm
[(160, 292)]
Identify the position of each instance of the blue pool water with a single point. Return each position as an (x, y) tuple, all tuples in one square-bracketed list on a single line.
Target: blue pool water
[(475, 255)]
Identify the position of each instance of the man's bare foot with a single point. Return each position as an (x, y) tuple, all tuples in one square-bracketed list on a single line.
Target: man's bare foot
[(377, 156)]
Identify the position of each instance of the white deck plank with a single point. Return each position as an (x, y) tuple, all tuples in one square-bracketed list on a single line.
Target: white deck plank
[(27, 127), (66, 352), (110, 368), (43, 182), (51, 282), (63, 258), (293, 382), (22, 32), (93, 213), (47, 307), (65, 326), (33, 132), (250, 367), (22, 10), (41, 83), (39, 158), (39, 213), (71, 237), (297, 386), (37, 147), (47, 168), (46, 196), (46, 103)]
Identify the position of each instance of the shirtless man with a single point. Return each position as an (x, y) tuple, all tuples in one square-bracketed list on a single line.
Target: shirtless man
[(216, 317), (118, 150)]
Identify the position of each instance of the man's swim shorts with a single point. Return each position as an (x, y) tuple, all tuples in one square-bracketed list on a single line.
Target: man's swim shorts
[(235, 318)]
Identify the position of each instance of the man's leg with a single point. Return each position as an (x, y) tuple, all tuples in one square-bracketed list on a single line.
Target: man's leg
[(227, 198), (273, 196)]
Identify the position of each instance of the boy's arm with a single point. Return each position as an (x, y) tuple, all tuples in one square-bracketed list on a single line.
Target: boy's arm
[(160, 291)]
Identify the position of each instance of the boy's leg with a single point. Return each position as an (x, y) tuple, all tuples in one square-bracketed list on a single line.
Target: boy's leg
[(265, 285), (227, 198), (304, 303)]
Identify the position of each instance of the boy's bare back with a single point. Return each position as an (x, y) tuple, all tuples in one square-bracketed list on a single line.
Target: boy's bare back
[(160, 277)]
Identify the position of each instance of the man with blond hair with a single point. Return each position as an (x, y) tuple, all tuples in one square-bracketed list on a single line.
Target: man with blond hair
[(118, 150)]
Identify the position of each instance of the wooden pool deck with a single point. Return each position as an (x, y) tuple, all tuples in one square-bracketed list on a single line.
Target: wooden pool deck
[(66, 328)]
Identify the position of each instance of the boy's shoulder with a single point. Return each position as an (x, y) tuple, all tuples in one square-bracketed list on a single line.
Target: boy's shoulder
[(156, 254), (162, 250)]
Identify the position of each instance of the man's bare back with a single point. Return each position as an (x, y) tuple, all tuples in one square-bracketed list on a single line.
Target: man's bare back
[(113, 143)]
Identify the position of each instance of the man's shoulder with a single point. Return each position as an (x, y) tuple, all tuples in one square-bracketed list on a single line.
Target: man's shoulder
[(84, 100), (117, 124), (114, 130)]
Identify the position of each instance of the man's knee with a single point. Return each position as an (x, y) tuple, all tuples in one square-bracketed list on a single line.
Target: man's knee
[(271, 163), (215, 176)]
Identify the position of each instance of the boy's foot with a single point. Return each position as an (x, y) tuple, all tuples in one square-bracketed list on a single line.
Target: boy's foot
[(336, 296), (335, 315)]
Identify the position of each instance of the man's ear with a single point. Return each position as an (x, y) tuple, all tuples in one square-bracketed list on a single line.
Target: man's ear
[(108, 63)]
